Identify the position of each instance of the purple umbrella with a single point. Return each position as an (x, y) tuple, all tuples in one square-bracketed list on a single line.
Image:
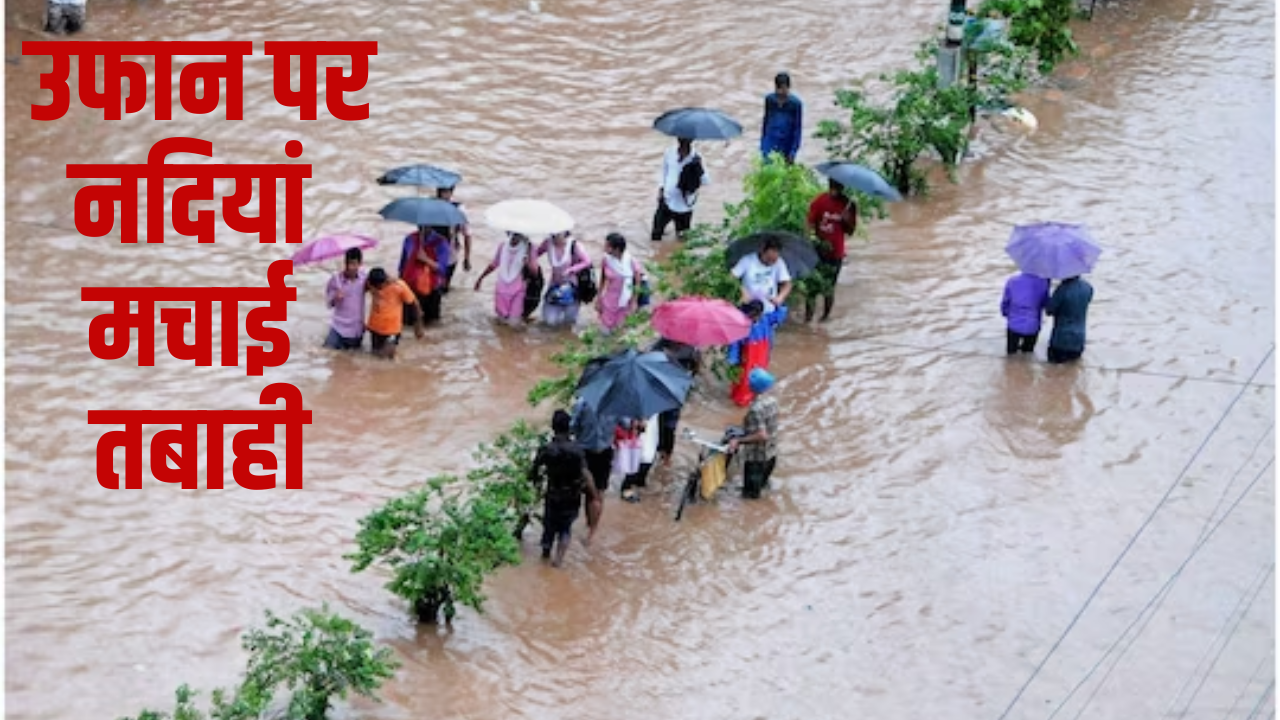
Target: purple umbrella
[(330, 247), (1053, 250)]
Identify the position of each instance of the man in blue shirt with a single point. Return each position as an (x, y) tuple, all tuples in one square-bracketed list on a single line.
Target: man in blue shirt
[(783, 120)]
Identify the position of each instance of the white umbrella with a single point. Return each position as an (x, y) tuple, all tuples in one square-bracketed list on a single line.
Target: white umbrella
[(533, 218)]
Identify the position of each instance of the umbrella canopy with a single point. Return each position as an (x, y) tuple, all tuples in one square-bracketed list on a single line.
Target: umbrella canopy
[(420, 175), (329, 247), (697, 124), (701, 322), (431, 212), (1053, 250), (800, 254), (635, 385), (532, 218), (860, 178)]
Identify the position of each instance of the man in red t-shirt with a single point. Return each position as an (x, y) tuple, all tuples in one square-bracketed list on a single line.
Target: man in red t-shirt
[(832, 216)]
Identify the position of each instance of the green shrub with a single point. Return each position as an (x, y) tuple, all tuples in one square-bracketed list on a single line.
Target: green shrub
[(1043, 27), (315, 655), (504, 471), (910, 115), (439, 544), (318, 656)]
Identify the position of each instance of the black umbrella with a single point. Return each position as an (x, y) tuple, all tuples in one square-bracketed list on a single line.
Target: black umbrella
[(800, 254), (421, 175), (634, 385), (431, 212), (697, 124), (860, 178)]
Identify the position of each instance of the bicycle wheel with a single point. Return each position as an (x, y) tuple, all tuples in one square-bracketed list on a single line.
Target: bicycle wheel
[(690, 492)]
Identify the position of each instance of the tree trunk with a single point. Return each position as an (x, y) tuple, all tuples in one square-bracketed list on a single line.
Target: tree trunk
[(428, 609)]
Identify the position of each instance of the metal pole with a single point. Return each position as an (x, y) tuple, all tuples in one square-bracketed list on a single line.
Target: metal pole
[(949, 51)]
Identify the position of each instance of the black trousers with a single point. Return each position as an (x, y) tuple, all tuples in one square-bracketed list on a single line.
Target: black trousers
[(448, 279), (430, 308), (755, 477), (600, 465), (831, 270), (663, 216), (1057, 357), (639, 479), (667, 424), (1016, 342), (557, 522)]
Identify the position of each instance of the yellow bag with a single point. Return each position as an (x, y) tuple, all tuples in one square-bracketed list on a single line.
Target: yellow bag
[(714, 473)]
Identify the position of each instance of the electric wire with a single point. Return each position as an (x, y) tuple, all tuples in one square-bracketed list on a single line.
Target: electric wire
[(1234, 628), (1249, 683), (1262, 700), (1132, 541), (1162, 592), (1160, 597)]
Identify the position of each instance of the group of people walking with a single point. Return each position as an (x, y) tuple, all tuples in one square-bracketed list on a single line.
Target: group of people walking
[(616, 286), (585, 450)]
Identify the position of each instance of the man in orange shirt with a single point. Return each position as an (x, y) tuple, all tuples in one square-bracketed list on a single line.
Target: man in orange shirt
[(386, 312)]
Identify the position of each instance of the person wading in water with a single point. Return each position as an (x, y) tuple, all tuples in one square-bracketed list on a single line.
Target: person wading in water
[(564, 466)]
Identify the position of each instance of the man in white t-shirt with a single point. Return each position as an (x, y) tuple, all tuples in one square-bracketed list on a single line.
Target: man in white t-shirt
[(64, 16), (682, 175), (764, 276)]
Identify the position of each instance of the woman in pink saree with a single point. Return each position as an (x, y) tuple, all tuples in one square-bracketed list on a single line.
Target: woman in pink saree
[(620, 278), (513, 262)]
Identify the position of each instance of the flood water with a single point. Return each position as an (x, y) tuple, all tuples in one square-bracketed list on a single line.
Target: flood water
[(940, 514)]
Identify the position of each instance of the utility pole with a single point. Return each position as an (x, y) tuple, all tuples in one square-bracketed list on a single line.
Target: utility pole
[(949, 59)]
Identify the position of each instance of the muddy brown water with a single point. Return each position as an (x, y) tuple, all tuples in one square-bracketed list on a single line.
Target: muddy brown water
[(940, 515)]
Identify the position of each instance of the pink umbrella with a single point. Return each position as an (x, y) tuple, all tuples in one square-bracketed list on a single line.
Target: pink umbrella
[(330, 247), (701, 322)]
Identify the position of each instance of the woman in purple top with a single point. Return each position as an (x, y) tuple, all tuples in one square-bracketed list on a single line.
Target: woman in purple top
[(560, 306), (1025, 298), (345, 294)]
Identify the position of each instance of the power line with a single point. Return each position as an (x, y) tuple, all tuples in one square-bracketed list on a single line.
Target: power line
[(1161, 593), (1265, 694), (1158, 600), (1249, 683), (1234, 628), (1142, 528), (1243, 465)]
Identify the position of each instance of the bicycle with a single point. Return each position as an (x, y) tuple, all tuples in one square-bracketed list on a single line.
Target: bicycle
[(708, 452)]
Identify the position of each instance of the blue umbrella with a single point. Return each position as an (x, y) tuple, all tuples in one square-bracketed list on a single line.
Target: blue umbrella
[(633, 384), (431, 212), (697, 124), (860, 178), (421, 175), (1053, 250)]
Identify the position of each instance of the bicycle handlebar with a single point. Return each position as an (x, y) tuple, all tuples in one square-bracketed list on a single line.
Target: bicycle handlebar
[(693, 438)]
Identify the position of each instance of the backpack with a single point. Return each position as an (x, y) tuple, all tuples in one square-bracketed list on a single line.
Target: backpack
[(690, 177), (587, 289)]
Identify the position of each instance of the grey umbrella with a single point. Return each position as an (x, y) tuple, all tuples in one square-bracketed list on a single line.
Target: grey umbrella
[(697, 124), (799, 253), (431, 212), (860, 178), (421, 175), (633, 384)]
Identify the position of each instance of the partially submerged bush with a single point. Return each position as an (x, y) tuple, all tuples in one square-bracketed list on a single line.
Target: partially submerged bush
[(439, 543), (316, 656)]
